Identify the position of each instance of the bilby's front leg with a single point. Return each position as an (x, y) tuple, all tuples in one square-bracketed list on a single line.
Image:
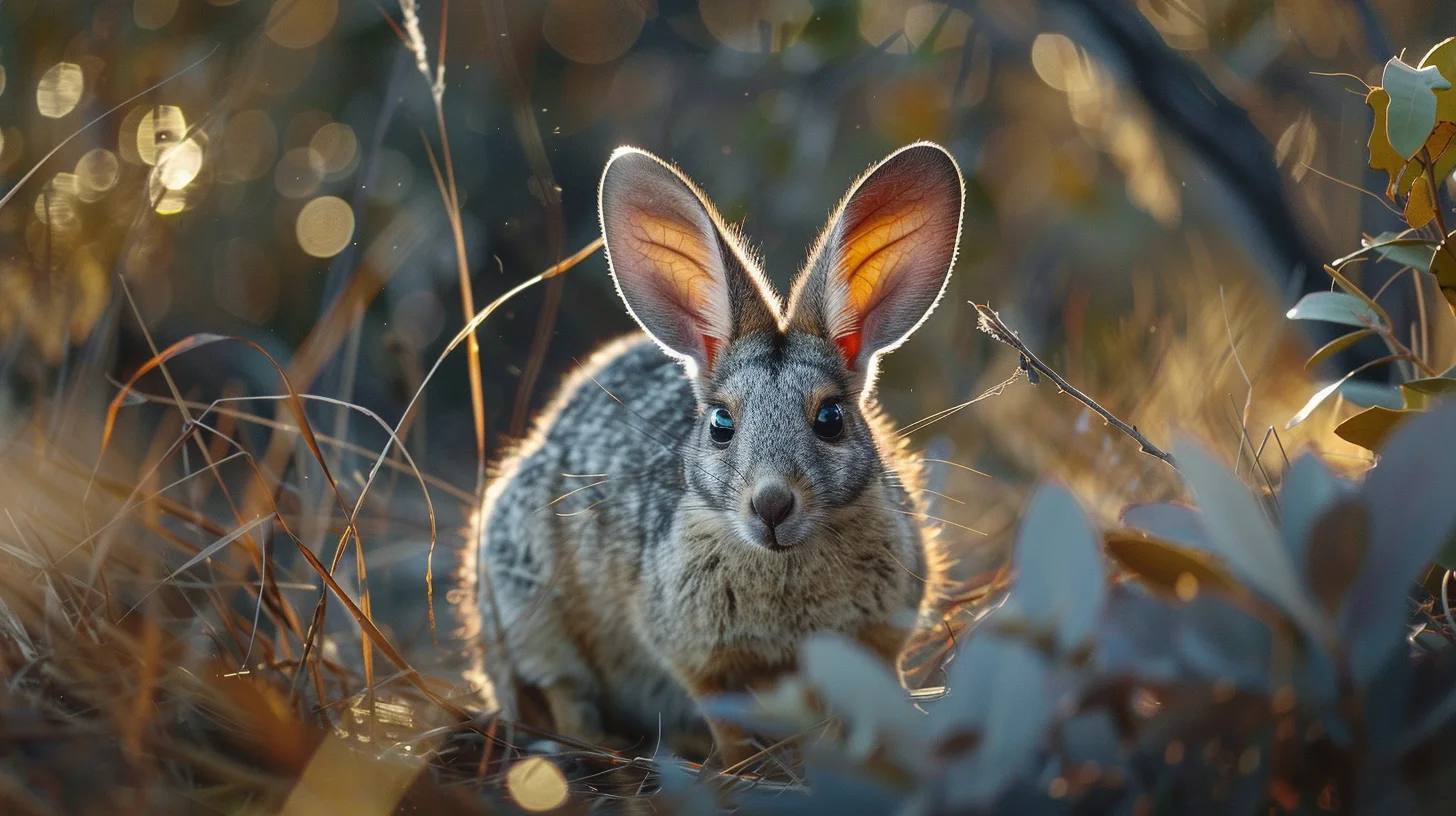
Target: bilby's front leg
[(732, 671)]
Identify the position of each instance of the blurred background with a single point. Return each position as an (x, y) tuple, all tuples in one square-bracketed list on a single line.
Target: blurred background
[(1150, 184)]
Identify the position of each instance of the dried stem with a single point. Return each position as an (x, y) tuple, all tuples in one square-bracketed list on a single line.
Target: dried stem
[(991, 324)]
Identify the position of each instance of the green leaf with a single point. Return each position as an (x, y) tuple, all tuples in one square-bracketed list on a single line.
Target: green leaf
[(1314, 401), (1432, 386), (1239, 532), (1335, 307), (1336, 346), (1412, 252), (1060, 576), (1308, 489), (1421, 394), (1412, 113), (1370, 427), (861, 690)]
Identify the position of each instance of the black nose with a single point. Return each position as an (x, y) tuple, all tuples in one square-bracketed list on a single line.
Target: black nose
[(773, 503)]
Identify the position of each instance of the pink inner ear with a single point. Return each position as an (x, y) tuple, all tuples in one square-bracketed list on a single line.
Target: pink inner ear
[(849, 347)]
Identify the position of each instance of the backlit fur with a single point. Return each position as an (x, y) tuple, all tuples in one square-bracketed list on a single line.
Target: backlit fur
[(620, 574)]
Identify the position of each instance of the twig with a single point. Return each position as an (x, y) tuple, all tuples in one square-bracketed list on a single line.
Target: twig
[(991, 324)]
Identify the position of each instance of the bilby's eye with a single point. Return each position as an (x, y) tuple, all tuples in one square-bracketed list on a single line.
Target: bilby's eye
[(829, 422), (720, 425)]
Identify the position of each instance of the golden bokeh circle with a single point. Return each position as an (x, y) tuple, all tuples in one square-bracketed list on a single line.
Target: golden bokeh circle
[(300, 24), (592, 31), (59, 90), (325, 226), (536, 784)]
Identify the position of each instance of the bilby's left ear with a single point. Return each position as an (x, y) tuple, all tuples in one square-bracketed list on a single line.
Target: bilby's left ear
[(885, 257)]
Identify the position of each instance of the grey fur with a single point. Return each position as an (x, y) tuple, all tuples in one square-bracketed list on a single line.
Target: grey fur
[(623, 570)]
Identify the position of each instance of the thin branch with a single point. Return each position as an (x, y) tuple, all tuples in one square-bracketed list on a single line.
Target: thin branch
[(991, 324)]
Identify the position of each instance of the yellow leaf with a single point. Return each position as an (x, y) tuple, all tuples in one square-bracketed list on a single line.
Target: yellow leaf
[(1382, 155), (1161, 564), (1420, 208), (1443, 57), (1370, 426)]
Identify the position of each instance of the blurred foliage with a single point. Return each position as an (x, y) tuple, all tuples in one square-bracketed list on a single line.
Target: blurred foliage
[(1153, 186)]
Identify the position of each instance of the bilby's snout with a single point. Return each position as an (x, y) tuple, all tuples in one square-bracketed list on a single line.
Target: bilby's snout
[(773, 503)]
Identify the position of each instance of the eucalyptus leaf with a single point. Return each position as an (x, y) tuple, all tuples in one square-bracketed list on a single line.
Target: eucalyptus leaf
[(1315, 401), (1000, 690), (1412, 252), (861, 691), (1137, 636), (1220, 642), (1334, 307), (1412, 113), (1370, 427), (1239, 532), (1427, 388), (1060, 576), (1336, 346), (1177, 523), (1412, 514), (1309, 487)]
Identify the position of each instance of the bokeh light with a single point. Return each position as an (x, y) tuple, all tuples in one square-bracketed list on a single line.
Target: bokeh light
[(171, 202), (180, 164), (153, 14), (756, 25), (536, 784), (325, 226), (300, 24), (159, 128), (97, 171), (339, 148), (2, 80), (299, 173), (592, 31), (59, 90)]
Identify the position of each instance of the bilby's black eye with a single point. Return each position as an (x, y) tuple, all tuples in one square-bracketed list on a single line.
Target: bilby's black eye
[(720, 425), (829, 422)]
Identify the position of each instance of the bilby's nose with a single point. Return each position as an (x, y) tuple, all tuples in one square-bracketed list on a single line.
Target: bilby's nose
[(772, 503)]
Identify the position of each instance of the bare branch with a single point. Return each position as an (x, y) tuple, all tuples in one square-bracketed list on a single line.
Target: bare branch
[(990, 323)]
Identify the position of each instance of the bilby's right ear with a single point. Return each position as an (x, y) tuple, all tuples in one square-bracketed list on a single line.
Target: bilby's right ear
[(676, 267)]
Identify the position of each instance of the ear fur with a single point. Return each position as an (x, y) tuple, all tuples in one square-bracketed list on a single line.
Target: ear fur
[(681, 272), (883, 261)]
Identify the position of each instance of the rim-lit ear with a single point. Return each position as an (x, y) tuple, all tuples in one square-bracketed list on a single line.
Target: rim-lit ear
[(680, 271), (884, 259)]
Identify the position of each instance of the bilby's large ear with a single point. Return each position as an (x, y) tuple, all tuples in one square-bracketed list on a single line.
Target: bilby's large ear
[(885, 257), (682, 274)]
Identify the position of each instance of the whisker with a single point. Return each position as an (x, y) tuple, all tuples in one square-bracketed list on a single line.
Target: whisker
[(570, 493), (929, 517), (956, 465)]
